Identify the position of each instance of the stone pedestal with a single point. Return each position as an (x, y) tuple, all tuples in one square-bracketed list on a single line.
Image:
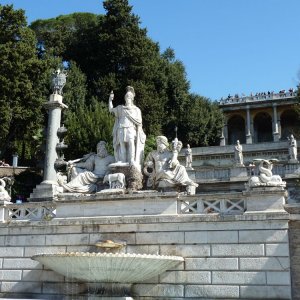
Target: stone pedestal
[(249, 138), (263, 199), (276, 136)]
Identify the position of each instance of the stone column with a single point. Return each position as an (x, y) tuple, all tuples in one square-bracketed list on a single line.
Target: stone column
[(54, 107), (226, 132), (49, 187), (222, 138), (275, 124), (248, 129)]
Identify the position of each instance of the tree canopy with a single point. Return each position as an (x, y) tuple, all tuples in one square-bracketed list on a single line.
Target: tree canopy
[(101, 53)]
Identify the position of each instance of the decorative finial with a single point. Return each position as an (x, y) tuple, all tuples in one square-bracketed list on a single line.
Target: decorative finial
[(59, 79)]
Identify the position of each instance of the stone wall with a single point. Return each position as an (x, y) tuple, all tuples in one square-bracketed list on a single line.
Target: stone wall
[(241, 256)]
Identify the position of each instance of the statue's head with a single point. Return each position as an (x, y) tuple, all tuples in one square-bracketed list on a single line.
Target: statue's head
[(129, 96), (161, 143), (101, 149)]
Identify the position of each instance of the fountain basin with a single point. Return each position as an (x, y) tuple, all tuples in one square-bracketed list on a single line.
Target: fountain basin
[(108, 267)]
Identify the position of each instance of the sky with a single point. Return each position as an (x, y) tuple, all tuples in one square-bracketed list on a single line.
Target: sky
[(227, 46)]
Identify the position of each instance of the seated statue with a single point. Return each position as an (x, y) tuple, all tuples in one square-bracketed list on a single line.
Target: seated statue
[(86, 172), (166, 169)]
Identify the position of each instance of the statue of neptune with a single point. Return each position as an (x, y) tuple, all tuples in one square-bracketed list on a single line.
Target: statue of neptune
[(128, 135)]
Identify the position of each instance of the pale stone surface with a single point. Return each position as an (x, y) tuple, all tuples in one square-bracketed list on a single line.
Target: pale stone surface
[(265, 263), (64, 239), (159, 237), (21, 263), (266, 292), (23, 240), (11, 251), (12, 275), (205, 237), (238, 250), (129, 238), (278, 278), (160, 290), (238, 277), (277, 250), (30, 251), (184, 277), (255, 236), (211, 263), (212, 291), (145, 249), (186, 250)]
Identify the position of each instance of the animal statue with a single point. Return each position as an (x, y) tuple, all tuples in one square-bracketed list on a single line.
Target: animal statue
[(266, 177), (116, 181), (3, 192)]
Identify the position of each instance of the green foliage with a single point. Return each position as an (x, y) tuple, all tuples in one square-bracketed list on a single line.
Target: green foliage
[(23, 78), (87, 125)]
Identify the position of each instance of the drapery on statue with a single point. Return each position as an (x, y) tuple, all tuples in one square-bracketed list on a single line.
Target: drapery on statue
[(238, 154), (292, 148), (85, 172), (167, 171), (266, 177), (128, 135)]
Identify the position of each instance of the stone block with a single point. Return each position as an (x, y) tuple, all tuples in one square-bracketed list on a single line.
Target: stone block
[(238, 250), (238, 277), (72, 288), (143, 249), (25, 240), (278, 278), (211, 263), (77, 248), (11, 251), (184, 277), (21, 287), (277, 250), (207, 237), (42, 275), (21, 263), (112, 228), (67, 239), (265, 263), (160, 238), (2, 241), (30, 251), (11, 275), (159, 290), (211, 291), (262, 236), (265, 292), (185, 250), (1, 263)]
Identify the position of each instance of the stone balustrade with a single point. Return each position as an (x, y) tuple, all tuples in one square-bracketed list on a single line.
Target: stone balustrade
[(246, 99)]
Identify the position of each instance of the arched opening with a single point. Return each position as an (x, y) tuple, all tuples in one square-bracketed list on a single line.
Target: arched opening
[(236, 130), (290, 124), (263, 128)]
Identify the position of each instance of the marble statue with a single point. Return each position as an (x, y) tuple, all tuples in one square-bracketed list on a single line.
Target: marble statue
[(115, 181), (59, 79), (266, 177), (128, 135), (166, 169), (238, 154), (84, 173), (188, 157), (4, 196), (292, 148)]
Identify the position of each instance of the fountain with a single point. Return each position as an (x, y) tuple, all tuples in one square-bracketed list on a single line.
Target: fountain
[(115, 272)]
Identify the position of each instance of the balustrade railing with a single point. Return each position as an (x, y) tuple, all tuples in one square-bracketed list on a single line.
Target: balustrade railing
[(278, 96), (29, 211), (211, 204)]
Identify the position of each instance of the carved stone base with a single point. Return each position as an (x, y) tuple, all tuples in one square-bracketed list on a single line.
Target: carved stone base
[(133, 177)]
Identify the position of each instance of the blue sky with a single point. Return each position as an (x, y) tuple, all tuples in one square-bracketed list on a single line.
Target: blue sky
[(227, 46)]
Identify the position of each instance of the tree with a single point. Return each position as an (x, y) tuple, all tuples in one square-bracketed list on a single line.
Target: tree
[(23, 81)]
